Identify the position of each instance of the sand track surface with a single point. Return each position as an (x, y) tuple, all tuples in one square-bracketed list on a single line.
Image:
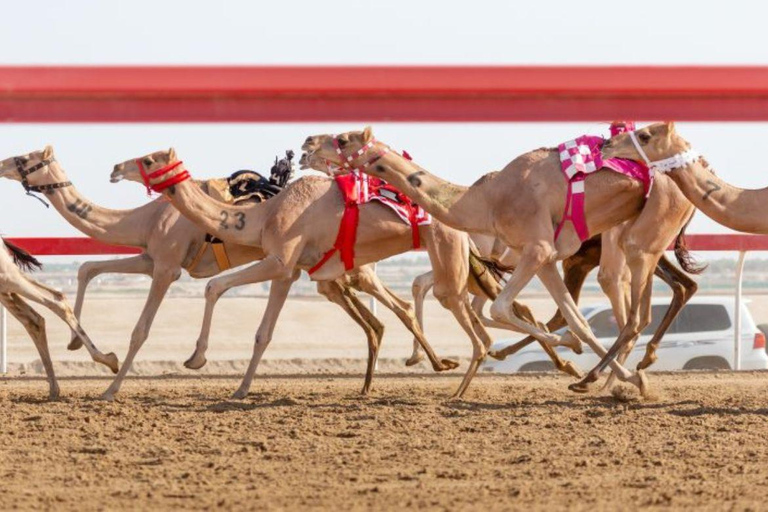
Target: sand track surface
[(515, 442)]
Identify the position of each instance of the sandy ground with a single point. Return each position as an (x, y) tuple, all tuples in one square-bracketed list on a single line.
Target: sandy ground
[(515, 442), (307, 329)]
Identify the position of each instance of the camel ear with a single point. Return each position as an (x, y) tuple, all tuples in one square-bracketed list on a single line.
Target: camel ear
[(172, 155), (367, 134), (48, 152), (670, 127)]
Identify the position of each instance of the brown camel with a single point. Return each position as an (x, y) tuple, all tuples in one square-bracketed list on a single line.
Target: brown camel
[(296, 229), (525, 222), (15, 286), (151, 227)]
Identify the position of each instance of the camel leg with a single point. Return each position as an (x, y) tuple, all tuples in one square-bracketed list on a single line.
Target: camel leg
[(479, 338), (270, 268), (642, 266), (421, 285), (34, 324), (370, 283), (55, 301), (553, 282), (90, 269), (162, 278), (575, 272), (683, 288), (374, 329)]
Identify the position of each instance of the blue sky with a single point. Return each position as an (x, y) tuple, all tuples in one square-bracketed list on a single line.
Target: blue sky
[(359, 32)]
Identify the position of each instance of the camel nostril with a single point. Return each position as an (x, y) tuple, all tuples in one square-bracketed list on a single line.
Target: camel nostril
[(309, 140)]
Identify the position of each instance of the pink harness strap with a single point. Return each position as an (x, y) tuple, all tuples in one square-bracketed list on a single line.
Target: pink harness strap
[(580, 157)]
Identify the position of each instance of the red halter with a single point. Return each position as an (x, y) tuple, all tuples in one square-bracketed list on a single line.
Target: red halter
[(159, 187)]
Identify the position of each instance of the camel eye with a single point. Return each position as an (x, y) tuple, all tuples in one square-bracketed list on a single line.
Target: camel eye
[(147, 161), (644, 137), (343, 141)]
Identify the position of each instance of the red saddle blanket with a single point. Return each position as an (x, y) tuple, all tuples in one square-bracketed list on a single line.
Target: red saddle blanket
[(358, 188)]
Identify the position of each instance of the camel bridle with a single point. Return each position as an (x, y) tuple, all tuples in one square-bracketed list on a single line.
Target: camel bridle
[(687, 157), (348, 161), (40, 189)]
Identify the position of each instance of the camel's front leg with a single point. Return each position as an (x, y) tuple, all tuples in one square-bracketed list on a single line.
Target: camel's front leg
[(34, 324), (372, 285), (642, 266), (282, 278), (421, 285), (162, 279), (215, 288), (141, 264)]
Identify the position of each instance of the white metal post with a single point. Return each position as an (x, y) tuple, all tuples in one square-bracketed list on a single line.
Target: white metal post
[(737, 315), (3, 341)]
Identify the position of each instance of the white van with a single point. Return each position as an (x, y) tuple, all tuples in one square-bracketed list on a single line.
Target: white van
[(701, 338)]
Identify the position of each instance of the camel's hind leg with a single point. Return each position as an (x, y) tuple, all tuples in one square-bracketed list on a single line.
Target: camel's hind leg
[(337, 293), (162, 278), (55, 301), (419, 289), (683, 288), (34, 324), (368, 282), (140, 264)]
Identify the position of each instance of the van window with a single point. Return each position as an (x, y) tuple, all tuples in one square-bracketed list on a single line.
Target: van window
[(657, 314), (703, 318)]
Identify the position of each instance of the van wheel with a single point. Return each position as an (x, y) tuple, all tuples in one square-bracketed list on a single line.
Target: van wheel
[(707, 363), (538, 366)]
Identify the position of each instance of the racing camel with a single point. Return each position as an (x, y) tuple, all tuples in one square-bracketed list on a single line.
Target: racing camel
[(528, 221), (297, 228), (15, 287), (170, 243), (613, 275)]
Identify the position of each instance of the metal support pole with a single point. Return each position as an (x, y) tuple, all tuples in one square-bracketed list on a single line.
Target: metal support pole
[(737, 314), (3, 341)]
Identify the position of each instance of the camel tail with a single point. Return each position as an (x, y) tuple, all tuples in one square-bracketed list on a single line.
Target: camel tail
[(486, 274), (683, 255), (22, 258)]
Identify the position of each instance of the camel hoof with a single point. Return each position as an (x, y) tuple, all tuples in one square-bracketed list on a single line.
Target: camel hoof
[(107, 397), (497, 355), (646, 362), (195, 363), (642, 383), (53, 395), (75, 344), (414, 359), (572, 370), (110, 361), (239, 394), (446, 365), (584, 385)]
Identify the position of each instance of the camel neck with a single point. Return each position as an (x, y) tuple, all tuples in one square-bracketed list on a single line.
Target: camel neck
[(235, 224), (733, 207), (120, 227), (448, 202)]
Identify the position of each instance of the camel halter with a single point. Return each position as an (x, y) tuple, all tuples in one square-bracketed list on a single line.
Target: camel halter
[(40, 189), (668, 164), (347, 160), (159, 187)]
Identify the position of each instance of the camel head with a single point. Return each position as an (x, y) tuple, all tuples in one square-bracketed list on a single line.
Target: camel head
[(658, 141), (36, 161), (130, 170), (321, 153)]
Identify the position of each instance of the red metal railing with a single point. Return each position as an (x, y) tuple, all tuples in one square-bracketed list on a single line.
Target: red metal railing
[(382, 93)]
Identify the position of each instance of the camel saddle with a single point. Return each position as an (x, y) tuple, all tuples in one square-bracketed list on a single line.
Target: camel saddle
[(359, 188), (580, 157), (243, 187)]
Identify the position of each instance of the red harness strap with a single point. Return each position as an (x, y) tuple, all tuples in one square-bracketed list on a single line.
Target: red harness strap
[(345, 240)]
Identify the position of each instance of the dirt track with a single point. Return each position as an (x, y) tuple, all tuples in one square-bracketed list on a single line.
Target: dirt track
[(515, 442)]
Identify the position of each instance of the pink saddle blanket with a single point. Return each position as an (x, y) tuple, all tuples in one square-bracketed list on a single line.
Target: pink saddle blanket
[(580, 157)]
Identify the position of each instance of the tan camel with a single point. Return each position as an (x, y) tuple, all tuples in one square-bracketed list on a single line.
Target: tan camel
[(15, 286), (151, 227), (296, 229), (525, 222)]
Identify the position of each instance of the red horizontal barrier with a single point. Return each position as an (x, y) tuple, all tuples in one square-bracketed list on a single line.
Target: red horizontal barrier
[(382, 93), (77, 246), (73, 246)]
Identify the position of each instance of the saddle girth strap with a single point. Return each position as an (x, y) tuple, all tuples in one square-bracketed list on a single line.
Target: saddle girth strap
[(219, 253), (574, 208), (347, 235)]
